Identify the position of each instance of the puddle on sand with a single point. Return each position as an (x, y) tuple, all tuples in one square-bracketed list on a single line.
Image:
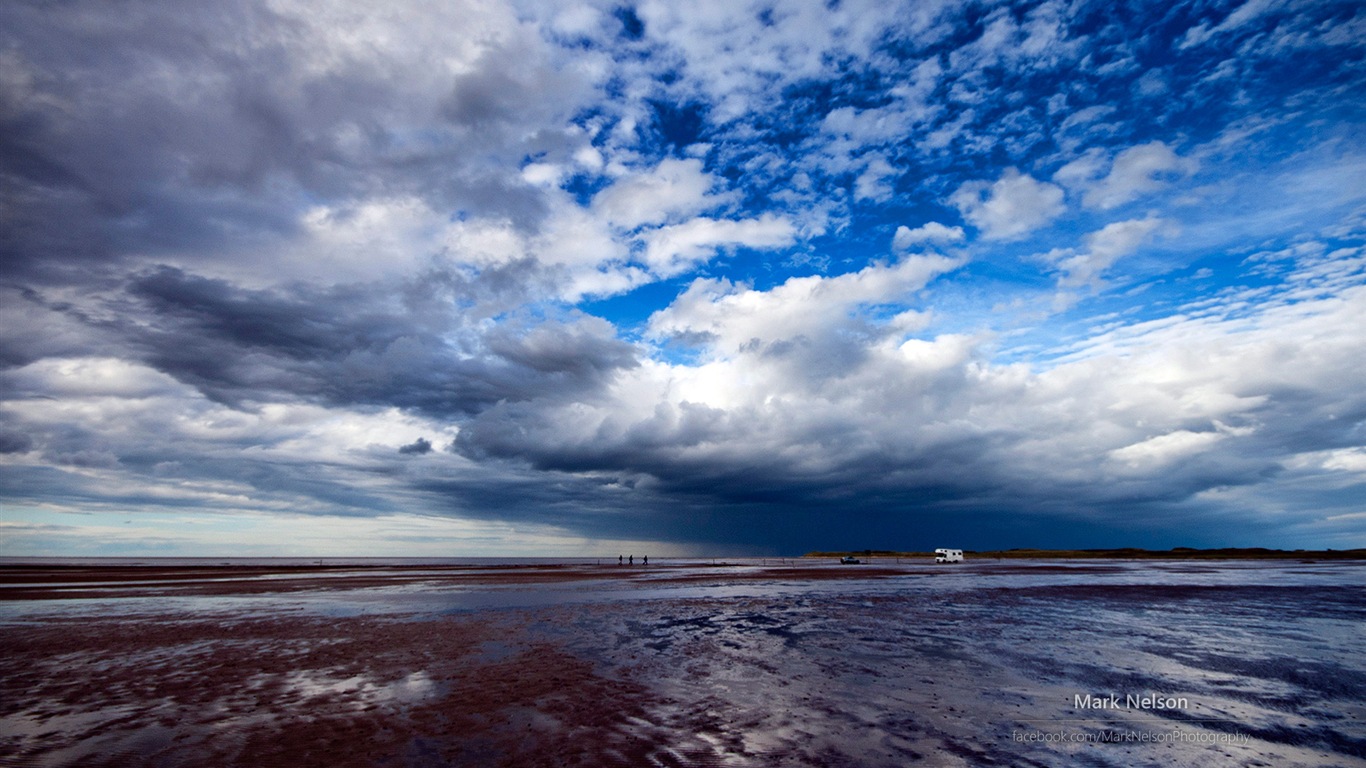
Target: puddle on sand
[(362, 691)]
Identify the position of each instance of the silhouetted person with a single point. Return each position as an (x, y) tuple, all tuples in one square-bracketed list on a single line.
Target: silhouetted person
[(631, 560), (647, 560)]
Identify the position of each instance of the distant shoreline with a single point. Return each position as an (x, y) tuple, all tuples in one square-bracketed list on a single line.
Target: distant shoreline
[(1126, 553)]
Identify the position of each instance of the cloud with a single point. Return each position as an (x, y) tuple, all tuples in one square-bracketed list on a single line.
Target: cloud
[(1041, 42), (416, 448), (1135, 172), (873, 183), (670, 190), (1009, 208), (1156, 452), (1101, 250), (734, 318), (930, 232), (147, 145), (352, 346), (15, 442), (673, 249), (1243, 15), (738, 56)]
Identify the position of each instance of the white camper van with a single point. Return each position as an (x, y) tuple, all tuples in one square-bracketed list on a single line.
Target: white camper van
[(948, 555)]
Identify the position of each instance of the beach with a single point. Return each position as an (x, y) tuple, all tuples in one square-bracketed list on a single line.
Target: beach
[(742, 663)]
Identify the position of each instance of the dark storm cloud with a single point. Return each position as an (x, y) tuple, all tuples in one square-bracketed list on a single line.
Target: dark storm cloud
[(14, 442), (791, 516), (34, 327), (753, 459), (349, 346), (175, 128), (709, 454), (98, 135), (418, 447)]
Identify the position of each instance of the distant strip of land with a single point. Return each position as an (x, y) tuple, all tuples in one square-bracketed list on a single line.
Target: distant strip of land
[(1127, 553)]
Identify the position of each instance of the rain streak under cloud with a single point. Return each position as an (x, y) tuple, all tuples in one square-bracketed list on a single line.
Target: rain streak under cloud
[(543, 278)]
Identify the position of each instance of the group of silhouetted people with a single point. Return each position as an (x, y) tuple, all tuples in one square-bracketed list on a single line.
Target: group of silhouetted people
[(631, 560)]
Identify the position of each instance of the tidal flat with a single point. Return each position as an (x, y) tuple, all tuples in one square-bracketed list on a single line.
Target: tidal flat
[(685, 663)]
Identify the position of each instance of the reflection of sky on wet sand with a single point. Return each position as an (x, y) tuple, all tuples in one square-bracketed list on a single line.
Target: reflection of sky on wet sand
[(925, 670), (361, 689), (943, 664)]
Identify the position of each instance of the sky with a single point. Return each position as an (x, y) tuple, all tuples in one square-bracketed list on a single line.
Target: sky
[(574, 279)]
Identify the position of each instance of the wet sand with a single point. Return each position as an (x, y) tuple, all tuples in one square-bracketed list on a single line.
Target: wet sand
[(751, 665)]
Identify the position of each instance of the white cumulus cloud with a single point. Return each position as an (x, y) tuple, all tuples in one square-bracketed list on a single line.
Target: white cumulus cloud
[(670, 190), (1101, 250), (1134, 172), (931, 232), (1011, 207), (672, 249)]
